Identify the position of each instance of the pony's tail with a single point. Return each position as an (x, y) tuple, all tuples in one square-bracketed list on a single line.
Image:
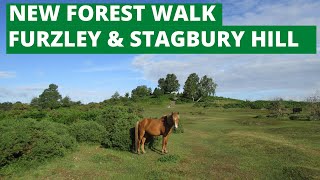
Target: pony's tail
[(136, 134)]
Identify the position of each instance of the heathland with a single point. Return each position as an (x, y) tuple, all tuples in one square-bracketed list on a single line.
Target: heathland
[(53, 137)]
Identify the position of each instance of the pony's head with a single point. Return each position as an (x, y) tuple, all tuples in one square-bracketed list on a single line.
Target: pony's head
[(175, 118)]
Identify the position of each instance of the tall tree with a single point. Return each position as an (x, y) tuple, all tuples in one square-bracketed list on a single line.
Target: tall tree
[(35, 102), (116, 95), (207, 87), (141, 91), (157, 92), (66, 102), (170, 84), (162, 84), (50, 98), (190, 89)]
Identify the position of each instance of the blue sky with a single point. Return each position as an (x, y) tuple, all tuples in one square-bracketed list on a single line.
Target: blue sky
[(96, 77)]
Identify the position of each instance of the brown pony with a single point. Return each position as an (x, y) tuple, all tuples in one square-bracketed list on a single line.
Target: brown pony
[(155, 127)]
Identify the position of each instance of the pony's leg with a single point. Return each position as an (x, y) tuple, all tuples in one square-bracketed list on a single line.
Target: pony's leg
[(142, 145), (165, 144), (138, 146), (141, 136)]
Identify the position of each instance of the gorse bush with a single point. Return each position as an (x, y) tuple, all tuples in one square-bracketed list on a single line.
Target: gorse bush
[(299, 117), (136, 110), (259, 104), (205, 104), (73, 114), (29, 139), (91, 114), (87, 131), (243, 104), (117, 122), (34, 114), (65, 115)]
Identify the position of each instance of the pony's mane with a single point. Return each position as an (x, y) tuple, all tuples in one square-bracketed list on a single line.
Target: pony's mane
[(166, 116), (166, 119)]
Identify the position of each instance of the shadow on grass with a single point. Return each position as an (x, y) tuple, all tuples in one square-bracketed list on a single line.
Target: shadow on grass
[(156, 150)]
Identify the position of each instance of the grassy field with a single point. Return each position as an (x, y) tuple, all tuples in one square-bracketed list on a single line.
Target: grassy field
[(217, 144)]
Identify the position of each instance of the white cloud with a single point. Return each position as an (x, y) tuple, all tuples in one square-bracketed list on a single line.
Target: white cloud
[(250, 76), (7, 74), (240, 73), (12, 95), (21, 93), (35, 87), (295, 12), (27, 92)]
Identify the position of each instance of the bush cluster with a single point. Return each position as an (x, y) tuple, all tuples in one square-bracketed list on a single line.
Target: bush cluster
[(243, 104), (205, 104), (29, 139), (117, 121), (87, 131), (299, 117), (39, 134), (65, 115)]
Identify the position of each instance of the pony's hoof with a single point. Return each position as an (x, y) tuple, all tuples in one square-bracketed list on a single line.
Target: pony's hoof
[(143, 152)]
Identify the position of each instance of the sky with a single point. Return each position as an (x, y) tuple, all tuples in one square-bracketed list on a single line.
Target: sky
[(94, 78)]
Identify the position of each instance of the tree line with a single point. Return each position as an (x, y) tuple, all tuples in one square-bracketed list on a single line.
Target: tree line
[(50, 98), (195, 88)]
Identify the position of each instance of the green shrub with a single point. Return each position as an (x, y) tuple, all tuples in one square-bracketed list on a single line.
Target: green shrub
[(179, 130), (299, 117), (34, 114), (117, 121), (260, 104), (205, 104), (65, 115), (298, 172), (242, 104), (137, 110), (87, 131), (29, 139), (183, 100), (91, 114)]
